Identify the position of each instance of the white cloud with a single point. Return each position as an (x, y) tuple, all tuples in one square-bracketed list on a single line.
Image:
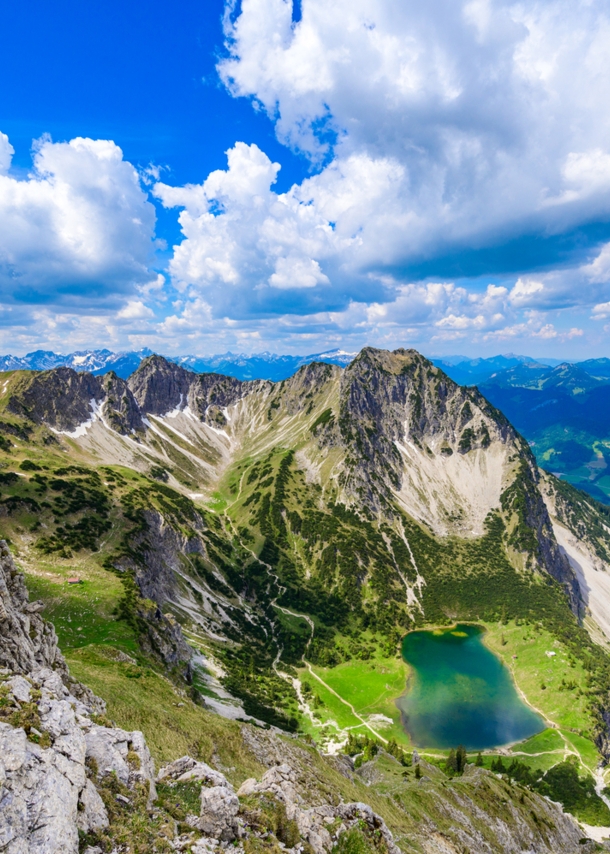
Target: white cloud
[(295, 272), (6, 153), (525, 290), (79, 226), (434, 129), (242, 240), (601, 311), (135, 310), (490, 113)]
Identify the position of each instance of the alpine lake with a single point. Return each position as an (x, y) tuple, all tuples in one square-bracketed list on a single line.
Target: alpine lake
[(459, 692)]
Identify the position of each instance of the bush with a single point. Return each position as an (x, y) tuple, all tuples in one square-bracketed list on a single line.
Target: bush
[(28, 465)]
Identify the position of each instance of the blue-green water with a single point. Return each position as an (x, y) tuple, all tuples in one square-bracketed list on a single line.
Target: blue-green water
[(461, 693)]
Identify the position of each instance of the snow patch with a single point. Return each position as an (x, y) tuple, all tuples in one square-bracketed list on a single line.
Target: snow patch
[(81, 430), (176, 411)]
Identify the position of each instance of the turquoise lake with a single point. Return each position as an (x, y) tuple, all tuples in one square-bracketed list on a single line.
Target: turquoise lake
[(460, 693)]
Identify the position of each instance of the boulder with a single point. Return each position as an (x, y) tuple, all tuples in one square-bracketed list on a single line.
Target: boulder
[(218, 818), (122, 753), (187, 768)]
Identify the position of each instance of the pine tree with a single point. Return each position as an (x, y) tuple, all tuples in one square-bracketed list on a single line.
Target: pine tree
[(479, 762), (460, 759), (417, 772)]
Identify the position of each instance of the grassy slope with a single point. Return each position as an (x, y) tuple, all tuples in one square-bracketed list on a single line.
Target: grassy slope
[(140, 698)]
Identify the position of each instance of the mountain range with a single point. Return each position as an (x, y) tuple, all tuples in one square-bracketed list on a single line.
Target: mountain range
[(259, 366), (562, 409), (226, 561), (267, 366)]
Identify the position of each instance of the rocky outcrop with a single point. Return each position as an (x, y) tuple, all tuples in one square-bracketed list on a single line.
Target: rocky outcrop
[(52, 751), (161, 387), (52, 755), (66, 400), (534, 533), (159, 548), (154, 560), (226, 816), (313, 824), (27, 641), (186, 768)]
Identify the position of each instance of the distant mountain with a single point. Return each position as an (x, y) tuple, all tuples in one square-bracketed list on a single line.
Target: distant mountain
[(564, 413), (467, 371), (275, 367), (260, 366), (571, 378), (93, 361), (596, 367)]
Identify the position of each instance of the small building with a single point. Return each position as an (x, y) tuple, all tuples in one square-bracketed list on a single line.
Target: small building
[(75, 581)]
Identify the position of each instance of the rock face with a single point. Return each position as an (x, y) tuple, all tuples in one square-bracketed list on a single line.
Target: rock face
[(47, 785), (223, 819), (26, 640), (441, 451), (66, 400), (51, 750), (160, 387)]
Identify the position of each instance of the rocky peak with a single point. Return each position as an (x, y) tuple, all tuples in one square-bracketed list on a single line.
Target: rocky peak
[(441, 452), (65, 399), (212, 393), (159, 386), (388, 399), (296, 393)]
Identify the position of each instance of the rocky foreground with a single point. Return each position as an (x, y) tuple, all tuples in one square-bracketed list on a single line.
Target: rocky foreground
[(70, 781)]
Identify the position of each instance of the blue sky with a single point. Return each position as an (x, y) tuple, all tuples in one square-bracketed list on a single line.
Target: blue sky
[(199, 177)]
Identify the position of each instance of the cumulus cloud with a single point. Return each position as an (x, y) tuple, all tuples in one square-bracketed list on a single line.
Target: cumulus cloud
[(244, 241), (78, 227), (492, 114), (431, 131), (135, 310)]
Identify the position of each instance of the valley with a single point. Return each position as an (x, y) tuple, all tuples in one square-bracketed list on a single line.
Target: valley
[(205, 545)]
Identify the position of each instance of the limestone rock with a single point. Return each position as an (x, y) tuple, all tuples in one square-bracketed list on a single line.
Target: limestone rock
[(45, 794), (92, 813), (218, 818), (187, 768), (282, 782), (122, 753), (19, 688), (27, 642)]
